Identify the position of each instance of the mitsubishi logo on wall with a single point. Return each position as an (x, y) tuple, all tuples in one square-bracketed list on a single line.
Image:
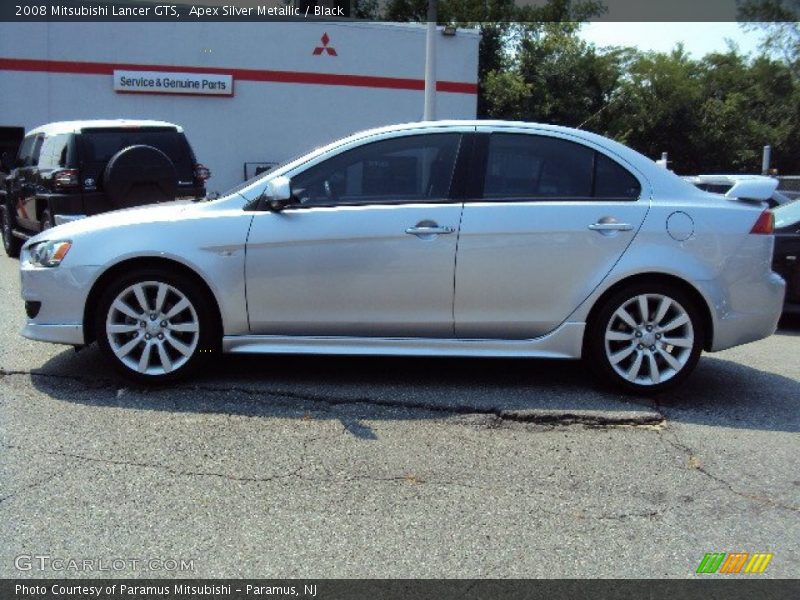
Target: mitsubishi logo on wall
[(325, 48)]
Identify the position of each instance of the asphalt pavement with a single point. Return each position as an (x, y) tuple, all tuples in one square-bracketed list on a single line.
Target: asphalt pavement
[(297, 466)]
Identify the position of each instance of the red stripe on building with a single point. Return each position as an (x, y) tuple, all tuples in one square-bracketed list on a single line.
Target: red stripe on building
[(96, 68)]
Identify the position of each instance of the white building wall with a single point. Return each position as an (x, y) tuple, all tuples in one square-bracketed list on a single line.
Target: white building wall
[(266, 121)]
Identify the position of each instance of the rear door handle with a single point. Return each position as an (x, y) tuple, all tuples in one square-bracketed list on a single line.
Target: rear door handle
[(600, 226)]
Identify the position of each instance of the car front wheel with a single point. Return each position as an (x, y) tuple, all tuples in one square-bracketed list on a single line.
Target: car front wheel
[(155, 326), (646, 338)]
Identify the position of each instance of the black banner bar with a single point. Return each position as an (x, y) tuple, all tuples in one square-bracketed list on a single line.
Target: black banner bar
[(329, 10), (734, 587)]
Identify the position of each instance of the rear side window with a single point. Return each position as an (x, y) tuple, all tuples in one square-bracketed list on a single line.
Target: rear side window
[(99, 145), (611, 181), (522, 166), (531, 166), (55, 151)]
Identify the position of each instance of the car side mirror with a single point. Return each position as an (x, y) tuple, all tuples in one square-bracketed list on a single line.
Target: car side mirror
[(278, 194)]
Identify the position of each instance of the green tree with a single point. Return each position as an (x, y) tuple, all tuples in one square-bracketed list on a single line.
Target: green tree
[(569, 80), (780, 21), (503, 25)]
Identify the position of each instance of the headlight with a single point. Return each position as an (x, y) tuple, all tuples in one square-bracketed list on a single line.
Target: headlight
[(49, 254)]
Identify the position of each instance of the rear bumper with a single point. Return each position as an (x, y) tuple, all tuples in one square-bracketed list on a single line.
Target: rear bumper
[(749, 312)]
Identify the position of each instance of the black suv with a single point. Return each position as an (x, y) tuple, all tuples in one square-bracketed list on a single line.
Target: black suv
[(72, 169)]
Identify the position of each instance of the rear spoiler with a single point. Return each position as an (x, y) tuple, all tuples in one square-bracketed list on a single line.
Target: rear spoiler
[(753, 189)]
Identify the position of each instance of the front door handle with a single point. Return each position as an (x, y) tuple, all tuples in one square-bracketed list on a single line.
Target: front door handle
[(423, 230)]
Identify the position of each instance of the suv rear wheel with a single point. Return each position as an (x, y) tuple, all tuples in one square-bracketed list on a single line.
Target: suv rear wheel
[(11, 244), (645, 338), (155, 325)]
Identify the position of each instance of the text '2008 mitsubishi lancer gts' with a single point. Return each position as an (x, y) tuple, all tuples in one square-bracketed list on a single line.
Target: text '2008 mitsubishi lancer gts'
[(456, 238)]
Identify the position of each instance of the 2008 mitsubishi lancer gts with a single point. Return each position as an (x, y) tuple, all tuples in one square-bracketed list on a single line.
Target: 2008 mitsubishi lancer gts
[(457, 238)]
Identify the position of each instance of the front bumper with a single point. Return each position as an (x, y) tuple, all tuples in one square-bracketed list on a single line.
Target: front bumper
[(62, 292), (55, 334)]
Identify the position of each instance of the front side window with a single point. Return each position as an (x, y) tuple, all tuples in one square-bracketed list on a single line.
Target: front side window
[(415, 168), (523, 166)]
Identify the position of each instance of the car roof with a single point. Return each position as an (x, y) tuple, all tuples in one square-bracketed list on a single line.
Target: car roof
[(60, 127)]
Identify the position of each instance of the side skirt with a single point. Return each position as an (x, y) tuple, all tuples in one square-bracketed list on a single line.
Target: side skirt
[(564, 342)]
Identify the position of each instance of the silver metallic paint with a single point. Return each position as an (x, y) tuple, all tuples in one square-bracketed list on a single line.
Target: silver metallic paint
[(397, 282)]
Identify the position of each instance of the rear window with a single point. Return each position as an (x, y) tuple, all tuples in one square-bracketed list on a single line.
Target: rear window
[(99, 145)]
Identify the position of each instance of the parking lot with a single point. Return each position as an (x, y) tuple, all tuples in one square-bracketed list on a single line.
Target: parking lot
[(384, 467)]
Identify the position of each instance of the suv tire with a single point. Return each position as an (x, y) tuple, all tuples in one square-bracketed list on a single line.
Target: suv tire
[(139, 175), (11, 244)]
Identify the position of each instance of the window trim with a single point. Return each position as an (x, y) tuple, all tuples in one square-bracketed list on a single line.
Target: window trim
[(481, 165)]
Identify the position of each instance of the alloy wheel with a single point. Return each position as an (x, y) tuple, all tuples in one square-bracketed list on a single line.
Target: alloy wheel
[(649, 339), (152, 328)]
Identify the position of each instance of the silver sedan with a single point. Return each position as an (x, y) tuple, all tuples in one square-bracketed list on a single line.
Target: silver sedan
[(457, 238)]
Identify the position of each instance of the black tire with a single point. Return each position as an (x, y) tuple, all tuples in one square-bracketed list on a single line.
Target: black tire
[(139, 175), (11, 244), (205, 345), (651, 345)]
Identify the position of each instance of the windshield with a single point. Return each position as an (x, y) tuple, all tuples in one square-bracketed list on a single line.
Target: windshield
[(258, 182), (255, 185), (787, 215)]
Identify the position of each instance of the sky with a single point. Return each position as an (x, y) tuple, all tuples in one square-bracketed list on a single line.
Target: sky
[(698, 38)]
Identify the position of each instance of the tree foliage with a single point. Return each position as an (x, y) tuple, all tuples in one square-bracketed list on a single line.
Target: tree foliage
[(780, 20), (711, 114)]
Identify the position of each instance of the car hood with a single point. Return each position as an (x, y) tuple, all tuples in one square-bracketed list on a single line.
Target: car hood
[(152, 213)]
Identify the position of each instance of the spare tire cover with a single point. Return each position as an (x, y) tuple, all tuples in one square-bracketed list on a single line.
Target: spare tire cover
[(140, 175)]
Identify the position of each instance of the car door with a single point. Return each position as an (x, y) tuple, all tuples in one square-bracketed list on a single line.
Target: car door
[(24, 182), (545, 222), (369, 247)]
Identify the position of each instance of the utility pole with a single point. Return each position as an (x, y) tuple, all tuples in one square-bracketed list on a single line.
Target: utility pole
[(429, 110)]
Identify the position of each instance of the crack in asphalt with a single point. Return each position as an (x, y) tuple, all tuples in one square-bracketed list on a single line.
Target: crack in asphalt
[(157, 466), (34, 485), (296, 473), (655, 419), (695, 465)]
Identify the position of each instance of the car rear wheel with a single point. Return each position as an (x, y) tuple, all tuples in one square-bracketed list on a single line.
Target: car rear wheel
[(155, 326), (11, 244), (645, 338)]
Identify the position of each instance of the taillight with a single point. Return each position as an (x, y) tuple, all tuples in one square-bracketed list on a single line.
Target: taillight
[(201, 173), (65, 179), (765, 224)]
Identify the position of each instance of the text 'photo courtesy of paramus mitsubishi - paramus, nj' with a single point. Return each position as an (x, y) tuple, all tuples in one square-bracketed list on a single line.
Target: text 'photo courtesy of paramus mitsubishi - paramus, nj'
[(452, 238)]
